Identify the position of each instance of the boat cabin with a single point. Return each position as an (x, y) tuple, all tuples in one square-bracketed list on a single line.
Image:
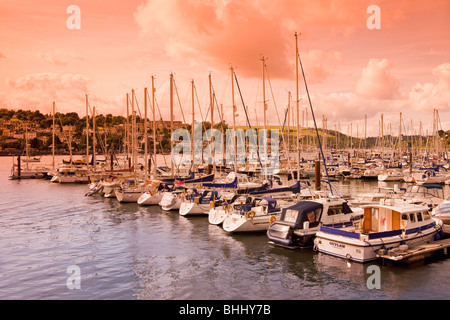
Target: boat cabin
[(385, 218)]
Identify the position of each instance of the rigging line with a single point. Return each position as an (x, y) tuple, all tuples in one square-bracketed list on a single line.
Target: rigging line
[(276, 109), (179, 101), (315, 124), (246, 115)]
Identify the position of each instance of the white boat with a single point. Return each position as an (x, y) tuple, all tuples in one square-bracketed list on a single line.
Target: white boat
[(130, 190), (217, 214), (299, 223), (199, 203), (442, 211), (386, 227), (430, 176), (379, 193), (430, 195), (172, 200), (109, 187), (153, 194), (71, 174), (254, 218), (391, 175)]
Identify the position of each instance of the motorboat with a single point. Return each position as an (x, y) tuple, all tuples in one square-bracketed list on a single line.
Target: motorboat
[(254, 217), (299, 223), (442, 211), (430, 195), (385, 227), (374, 197)]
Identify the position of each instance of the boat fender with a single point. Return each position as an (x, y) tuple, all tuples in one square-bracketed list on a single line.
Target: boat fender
[(316, 244), (272, 219), (403, 247)]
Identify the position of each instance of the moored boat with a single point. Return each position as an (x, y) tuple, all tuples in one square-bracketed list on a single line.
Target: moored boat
[(299, 223), (385, 227)]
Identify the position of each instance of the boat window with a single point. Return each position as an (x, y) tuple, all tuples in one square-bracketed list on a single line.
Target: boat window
[(426, 215), (419, 216), (405, 217), (412, 217), (332, 210), (291, 215)]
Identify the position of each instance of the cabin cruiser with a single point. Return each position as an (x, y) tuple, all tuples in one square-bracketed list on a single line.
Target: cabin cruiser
[(430, 195), (386, 227), (442, 211), (299, 223)]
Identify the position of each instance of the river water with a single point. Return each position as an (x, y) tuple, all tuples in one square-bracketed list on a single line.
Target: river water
[(127, 252)]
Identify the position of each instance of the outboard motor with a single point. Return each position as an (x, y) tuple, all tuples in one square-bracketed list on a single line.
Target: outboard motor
[(301, 216)]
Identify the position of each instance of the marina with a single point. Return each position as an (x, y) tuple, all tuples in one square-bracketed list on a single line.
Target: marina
[(237, 152), (131, 251)]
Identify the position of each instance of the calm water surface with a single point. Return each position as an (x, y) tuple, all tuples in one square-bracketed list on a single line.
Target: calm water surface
[(125, 251)]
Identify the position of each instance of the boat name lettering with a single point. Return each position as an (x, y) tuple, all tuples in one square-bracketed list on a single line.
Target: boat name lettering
[(337, 245)]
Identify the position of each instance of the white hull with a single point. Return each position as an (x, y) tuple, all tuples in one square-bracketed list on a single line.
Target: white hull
[(147, 199), (190, 209), (170, 201), (240, 223), (217, 215), (363, 250), (128, 196)]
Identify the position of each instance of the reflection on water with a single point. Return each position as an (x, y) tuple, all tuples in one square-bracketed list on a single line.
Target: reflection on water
[(125, 251)]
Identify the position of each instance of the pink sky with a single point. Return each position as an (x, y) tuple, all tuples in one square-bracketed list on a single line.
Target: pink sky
[(351, 71)]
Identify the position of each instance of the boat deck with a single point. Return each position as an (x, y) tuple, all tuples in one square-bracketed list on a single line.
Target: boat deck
[(418, 253)]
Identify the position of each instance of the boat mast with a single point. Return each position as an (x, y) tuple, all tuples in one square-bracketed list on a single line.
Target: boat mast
[(192, 128), (87, 130), (298, 107), (94, 140), (53, 138), (171, 121), (264, 91), (211, 104), (154, 127), (234, 120), (145, 134)]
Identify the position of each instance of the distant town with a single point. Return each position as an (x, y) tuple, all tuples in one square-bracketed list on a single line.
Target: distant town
[(19, 127)]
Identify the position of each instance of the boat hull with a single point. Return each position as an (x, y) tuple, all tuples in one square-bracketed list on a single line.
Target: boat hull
[(363, 251), (147, 199), (241, 223), (193, 209)]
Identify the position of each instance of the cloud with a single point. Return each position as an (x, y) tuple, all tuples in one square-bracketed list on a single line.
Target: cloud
[(423, 97), (218, 33), (2, 56), (59, 57), (376, 81), (40, 89)]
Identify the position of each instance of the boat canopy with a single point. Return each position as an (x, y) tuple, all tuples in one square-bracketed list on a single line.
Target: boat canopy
[(301, 212)]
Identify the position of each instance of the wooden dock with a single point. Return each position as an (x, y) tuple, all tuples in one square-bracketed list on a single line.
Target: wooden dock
[(420, 252)]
